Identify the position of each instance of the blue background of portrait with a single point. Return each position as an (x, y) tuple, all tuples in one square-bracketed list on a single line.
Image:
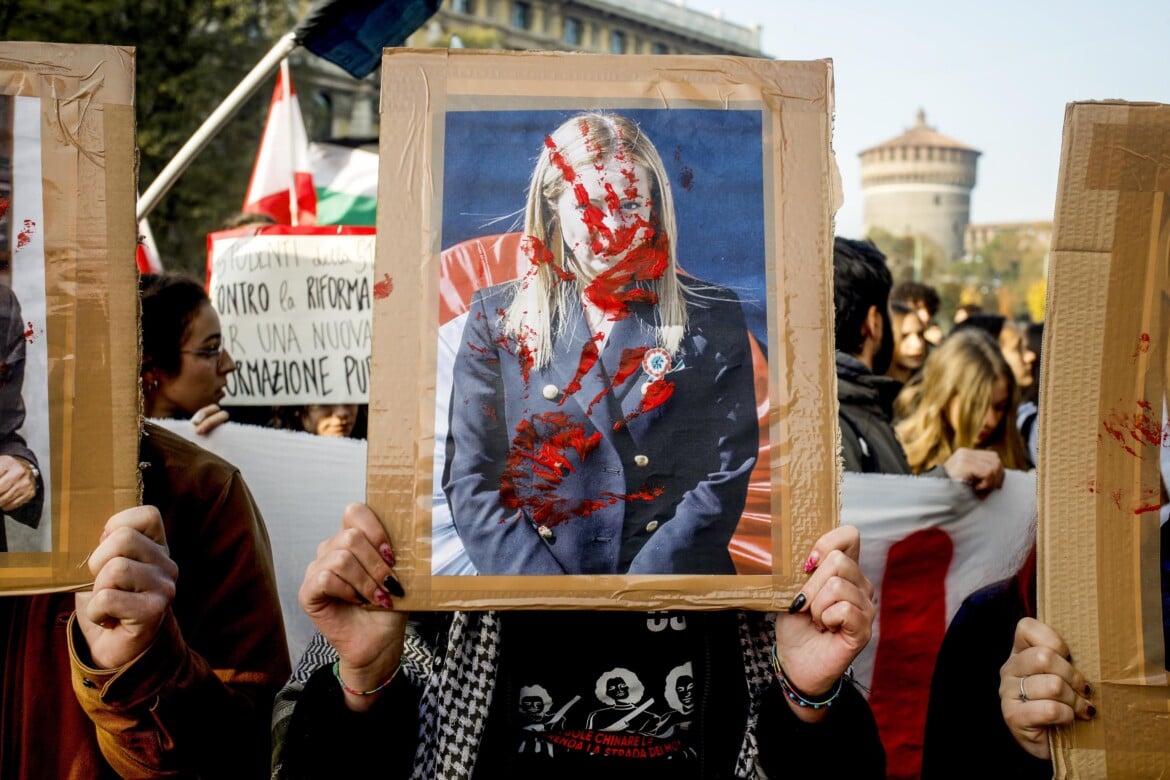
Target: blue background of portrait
[(489, 157)]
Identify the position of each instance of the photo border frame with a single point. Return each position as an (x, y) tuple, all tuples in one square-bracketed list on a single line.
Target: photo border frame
[(88, 173), (418, 88)]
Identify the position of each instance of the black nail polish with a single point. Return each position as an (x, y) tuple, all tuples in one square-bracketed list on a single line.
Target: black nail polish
[(797, 604), (393, 586), (1088, 690), (1092, 711)]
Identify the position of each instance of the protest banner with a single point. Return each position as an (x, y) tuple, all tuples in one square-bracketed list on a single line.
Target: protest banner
[(1102, 434), (545, 458), (295, 307), (70, 392), (926, 545)]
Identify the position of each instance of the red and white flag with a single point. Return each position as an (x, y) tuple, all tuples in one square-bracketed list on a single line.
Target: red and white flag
[(146, 255), (282, 182)]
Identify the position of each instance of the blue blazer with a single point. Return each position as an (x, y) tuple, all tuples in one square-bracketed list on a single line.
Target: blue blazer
[(562, 470)]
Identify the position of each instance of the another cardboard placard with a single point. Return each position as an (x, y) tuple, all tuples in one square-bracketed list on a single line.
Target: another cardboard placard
[(462, 122), (1102, 433), (296, 308), (84, 252)]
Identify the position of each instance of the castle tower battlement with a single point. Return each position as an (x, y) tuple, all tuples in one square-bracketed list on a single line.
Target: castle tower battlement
[(919, 184)]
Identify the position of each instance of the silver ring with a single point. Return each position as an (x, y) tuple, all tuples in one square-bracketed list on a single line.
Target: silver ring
[(1023, 693)]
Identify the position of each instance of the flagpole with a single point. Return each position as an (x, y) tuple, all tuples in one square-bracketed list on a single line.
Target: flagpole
[(212, 125)]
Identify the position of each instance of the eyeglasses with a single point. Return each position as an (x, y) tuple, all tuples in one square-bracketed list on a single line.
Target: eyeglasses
[(214, 353)]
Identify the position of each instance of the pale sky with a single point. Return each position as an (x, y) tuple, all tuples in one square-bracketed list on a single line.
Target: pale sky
[(996, 76)]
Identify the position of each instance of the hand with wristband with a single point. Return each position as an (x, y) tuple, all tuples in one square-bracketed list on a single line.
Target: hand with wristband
[(353, 570), (829, 623)]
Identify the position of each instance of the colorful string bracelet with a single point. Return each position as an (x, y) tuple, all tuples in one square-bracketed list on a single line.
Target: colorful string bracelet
[(793, 693), (356, 692)]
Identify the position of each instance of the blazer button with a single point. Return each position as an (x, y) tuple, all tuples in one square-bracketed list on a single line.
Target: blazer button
[(652, 526), (641, 461), (546, 533), (551, 392)]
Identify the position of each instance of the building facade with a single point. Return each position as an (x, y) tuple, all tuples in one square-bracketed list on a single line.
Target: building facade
[(605, 26), (918, 185), (350, 106)]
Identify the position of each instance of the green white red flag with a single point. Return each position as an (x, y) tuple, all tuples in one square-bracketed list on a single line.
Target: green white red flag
[(282, 181)]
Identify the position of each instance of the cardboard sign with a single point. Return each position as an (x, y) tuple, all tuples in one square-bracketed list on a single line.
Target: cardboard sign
[(612, 388), (70, 397), (1103, 435), (295, 306)]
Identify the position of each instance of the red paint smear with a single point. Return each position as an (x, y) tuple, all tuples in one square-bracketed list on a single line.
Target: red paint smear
[(658, 392), (538, 254), (687, 179), (1141, 428), (589, 354), (538, 462), (383, 288), (678, 154), (630, 360), (489, 411), (616, 290), (645, 494), (557, 159), (1141, 510), (28, 334), (26, 235), (523, 353), (4, 205), (1143, 345), (1116, 496)]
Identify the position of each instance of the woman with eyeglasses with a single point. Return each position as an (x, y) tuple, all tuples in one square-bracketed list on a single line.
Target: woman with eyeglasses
[(184, 362)]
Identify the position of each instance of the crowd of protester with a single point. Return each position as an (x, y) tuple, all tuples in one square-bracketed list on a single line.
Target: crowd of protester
[(172, 664)]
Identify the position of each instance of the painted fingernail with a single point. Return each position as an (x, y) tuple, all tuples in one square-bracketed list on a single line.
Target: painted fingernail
[(382, 599), (1088, 690), (393, 586), (387, 554), (1092, 711), (811, 563), (797, 604)]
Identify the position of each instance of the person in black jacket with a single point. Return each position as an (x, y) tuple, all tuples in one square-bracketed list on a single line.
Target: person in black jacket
[(861, 291), (574, 694), (22, 492)]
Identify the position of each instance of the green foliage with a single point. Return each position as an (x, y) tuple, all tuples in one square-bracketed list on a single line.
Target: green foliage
[(189, 55), (998, 276)]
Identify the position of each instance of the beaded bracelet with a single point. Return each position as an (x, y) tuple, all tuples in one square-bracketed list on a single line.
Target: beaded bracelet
[(356, 692), (793, 693)]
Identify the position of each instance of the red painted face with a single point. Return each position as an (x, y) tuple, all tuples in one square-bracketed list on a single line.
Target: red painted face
[(605, 214)]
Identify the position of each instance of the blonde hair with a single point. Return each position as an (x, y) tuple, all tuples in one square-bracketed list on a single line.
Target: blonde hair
[(546, 298), (967, 364)]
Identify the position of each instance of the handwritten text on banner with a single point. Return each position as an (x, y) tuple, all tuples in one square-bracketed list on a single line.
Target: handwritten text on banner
[(295, 312)]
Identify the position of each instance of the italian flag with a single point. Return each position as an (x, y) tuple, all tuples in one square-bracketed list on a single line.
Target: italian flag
[(347, 184), (282, 181)]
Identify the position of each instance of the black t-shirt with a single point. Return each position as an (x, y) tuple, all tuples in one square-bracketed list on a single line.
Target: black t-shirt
[(588, 692)]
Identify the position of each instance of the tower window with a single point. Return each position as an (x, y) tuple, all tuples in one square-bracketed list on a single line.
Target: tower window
[(617, 42)]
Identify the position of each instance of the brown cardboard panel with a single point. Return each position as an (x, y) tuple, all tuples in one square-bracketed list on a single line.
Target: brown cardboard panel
[(794, 487), (1105, 370), (88, 181)]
